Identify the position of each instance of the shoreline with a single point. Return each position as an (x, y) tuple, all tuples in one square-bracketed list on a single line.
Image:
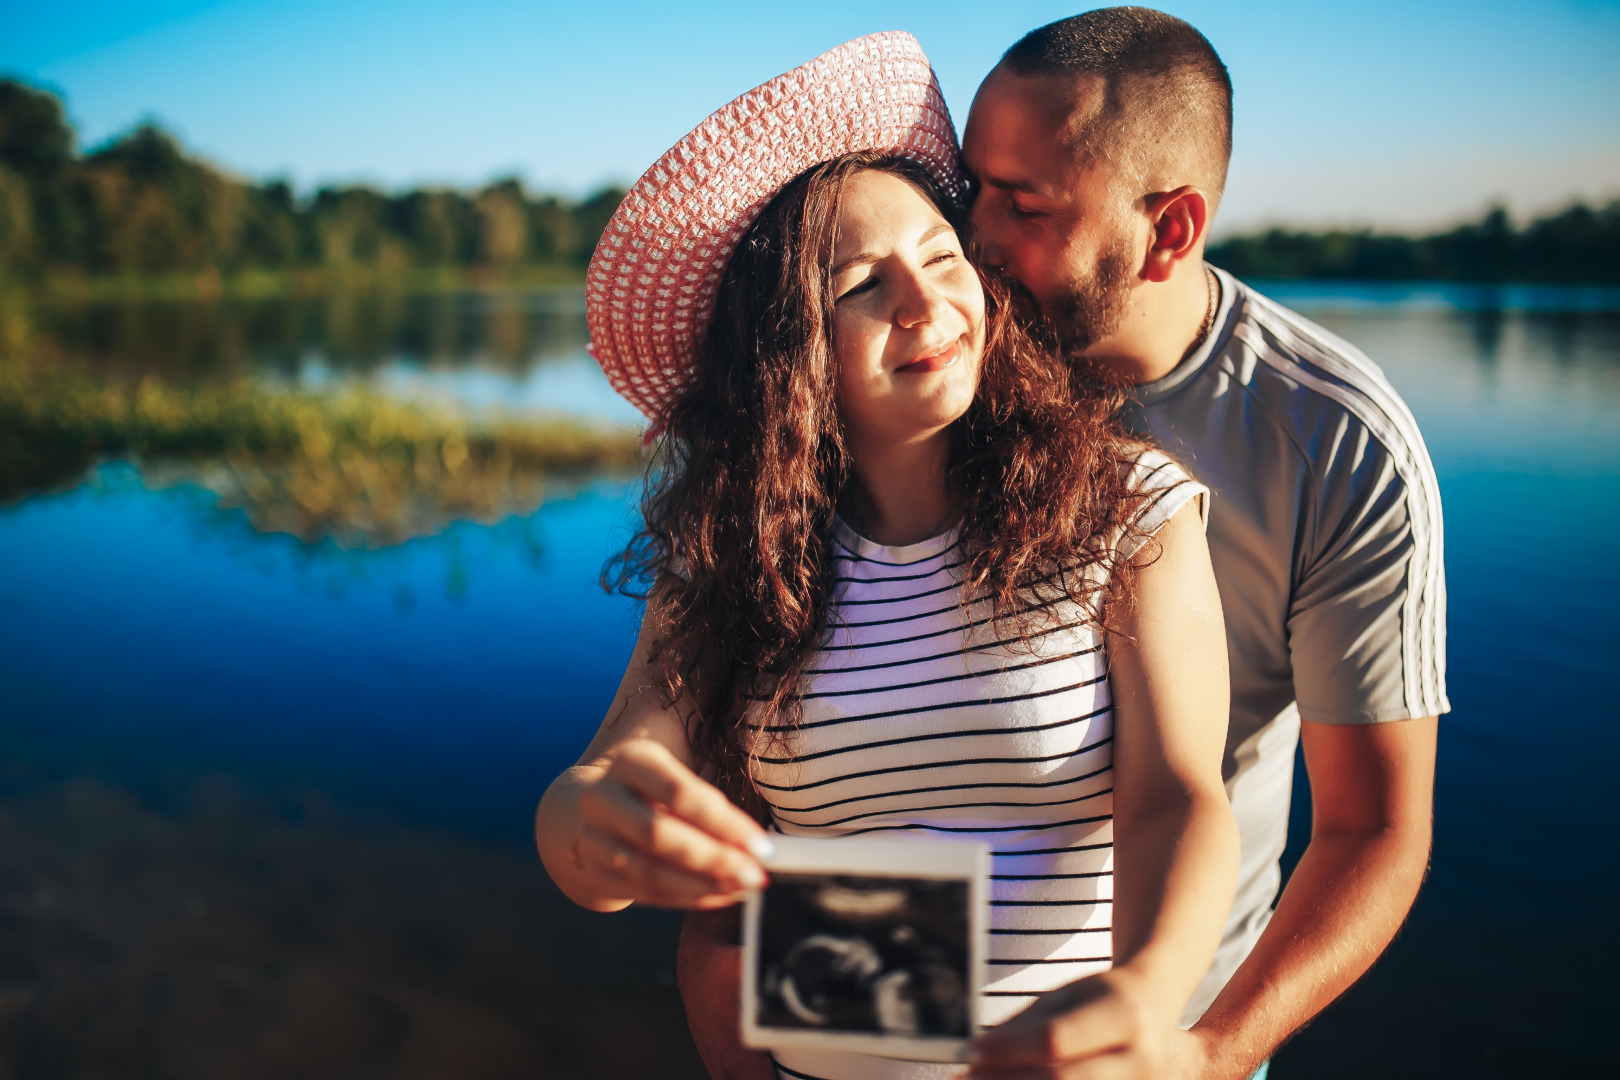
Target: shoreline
[(253, 938)]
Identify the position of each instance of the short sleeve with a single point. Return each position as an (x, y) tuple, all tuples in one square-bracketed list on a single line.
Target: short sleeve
[(1168, 488), (1366, 624)]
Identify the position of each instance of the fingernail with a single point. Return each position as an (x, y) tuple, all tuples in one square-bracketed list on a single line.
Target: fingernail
[(751, 876), (762, 849)]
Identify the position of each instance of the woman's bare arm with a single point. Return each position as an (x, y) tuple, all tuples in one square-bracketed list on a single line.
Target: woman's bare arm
[(633, 822), (1175, 841)]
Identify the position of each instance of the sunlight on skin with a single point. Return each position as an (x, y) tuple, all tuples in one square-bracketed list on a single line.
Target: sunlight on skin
[(908, 330)]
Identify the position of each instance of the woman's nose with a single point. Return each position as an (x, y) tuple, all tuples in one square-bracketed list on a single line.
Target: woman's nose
[(917, 302)]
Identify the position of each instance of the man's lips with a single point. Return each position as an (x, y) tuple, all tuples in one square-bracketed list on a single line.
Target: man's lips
[(934, 362)]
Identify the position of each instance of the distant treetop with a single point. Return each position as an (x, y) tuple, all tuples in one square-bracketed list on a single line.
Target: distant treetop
[(141, 205)]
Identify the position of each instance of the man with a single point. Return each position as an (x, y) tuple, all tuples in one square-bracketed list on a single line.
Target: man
[(1099, 146)]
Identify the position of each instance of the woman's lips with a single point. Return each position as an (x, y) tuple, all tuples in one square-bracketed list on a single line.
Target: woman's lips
[(936, 362)]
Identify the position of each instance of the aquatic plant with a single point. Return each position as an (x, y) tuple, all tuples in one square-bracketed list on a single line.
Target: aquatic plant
[(354, 467)]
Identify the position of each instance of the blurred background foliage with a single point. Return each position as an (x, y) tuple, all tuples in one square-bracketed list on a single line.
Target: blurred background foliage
[(141, 210), (139, 215), (1578, 245)]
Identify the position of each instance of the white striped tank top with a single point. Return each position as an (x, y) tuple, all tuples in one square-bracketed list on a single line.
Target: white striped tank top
[(921, 717)]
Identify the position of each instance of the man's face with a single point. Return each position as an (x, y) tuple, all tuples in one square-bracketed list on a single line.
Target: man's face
[(1042, 213)]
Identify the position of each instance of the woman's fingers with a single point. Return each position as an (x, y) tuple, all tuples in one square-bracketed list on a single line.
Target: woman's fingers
[(647, 878), (620, 812), (654, 773)]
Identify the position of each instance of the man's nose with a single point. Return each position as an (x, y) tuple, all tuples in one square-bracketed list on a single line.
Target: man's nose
[(984, 233)]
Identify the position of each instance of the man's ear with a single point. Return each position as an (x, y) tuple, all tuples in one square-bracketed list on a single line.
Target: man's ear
[(1177, 219)]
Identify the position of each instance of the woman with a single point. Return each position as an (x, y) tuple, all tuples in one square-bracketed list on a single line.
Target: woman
[(903, 574)]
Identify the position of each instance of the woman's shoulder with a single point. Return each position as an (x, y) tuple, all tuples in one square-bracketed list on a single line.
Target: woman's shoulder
[(1164, 486)]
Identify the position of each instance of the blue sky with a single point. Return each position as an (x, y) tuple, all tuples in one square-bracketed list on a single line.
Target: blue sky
[(1376, 112)]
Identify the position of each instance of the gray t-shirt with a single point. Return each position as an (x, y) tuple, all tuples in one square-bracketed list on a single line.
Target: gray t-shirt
[(1325, 533)]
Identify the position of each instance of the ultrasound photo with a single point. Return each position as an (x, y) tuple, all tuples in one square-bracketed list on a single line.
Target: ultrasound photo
[(866, 947), (875, 954)]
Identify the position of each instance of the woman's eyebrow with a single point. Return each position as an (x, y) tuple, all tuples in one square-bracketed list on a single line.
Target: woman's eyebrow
[(861, 257)]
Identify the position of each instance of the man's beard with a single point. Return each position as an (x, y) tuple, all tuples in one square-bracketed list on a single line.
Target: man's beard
[(1093, 308)]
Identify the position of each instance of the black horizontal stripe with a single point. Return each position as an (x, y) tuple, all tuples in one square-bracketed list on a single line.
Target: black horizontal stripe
[(935, 735), (1030, 933), (958, 652), (960, 677), (980, 828), (952, 806), (885, 688), (896, 577), (940, 787), (1084, 748), (794, 1072), (1140, 483), (1050, 903), (853, 557), (1014, 993), (950, 629), (1049, 877), (913, 617), (1053, 850), (964, 703), (1071, 960), (947, 587)]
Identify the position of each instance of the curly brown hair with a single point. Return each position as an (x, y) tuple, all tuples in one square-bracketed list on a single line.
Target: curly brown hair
[(734, 557)]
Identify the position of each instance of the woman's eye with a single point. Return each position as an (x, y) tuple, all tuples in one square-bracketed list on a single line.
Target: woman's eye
[(944, 256), (865, 285), (1024, 212)]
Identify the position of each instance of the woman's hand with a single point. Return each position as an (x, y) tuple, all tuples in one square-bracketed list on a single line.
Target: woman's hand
[(634, 823), (651, 831)]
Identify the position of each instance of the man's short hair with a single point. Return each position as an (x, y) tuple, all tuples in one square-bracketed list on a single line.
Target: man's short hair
[(1166, 113)]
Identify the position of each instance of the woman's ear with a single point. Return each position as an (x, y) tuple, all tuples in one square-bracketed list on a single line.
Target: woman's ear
[(1177, 220)]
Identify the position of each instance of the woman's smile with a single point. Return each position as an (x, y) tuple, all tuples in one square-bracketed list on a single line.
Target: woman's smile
[(936, 361)]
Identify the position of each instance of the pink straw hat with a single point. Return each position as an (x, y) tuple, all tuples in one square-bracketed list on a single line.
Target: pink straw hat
[(650, 289)]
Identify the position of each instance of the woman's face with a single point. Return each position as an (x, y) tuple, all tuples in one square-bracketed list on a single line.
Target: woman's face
[(908, 315)]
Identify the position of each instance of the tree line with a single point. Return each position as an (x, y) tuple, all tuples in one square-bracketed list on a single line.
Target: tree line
[(1578, 245), (141, 206)]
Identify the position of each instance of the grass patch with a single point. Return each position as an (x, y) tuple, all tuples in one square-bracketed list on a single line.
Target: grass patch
[(356, 468)]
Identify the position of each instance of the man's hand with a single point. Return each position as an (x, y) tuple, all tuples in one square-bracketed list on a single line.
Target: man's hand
[(1105, 1027)]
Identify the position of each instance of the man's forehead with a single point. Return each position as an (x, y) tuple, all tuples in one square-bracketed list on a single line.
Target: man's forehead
[(1021, 131), (1061, 103)]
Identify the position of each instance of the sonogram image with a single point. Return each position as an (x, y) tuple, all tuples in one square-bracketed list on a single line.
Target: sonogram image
[(856, 953)]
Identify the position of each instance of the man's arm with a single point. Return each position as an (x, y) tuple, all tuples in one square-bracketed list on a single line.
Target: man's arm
[(1372, 801), (708, 967)]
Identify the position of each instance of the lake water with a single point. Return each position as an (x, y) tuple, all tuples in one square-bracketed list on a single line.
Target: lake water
[(200, 691)]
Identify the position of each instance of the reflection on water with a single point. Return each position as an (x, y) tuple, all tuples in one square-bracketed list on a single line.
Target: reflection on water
[(150, 638), (516, 351), (1519, 411), (291, 412), (1316, 297)]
